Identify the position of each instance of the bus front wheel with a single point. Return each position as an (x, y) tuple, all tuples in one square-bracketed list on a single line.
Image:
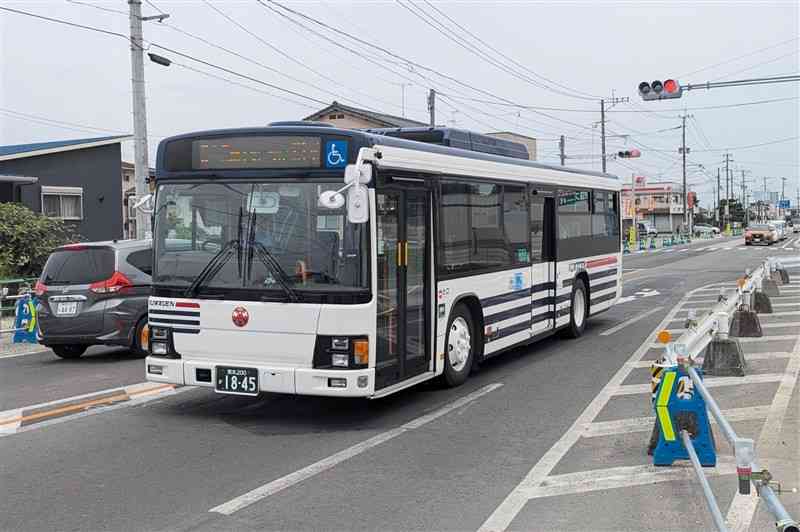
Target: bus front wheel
[(459, 346), (579, 310)]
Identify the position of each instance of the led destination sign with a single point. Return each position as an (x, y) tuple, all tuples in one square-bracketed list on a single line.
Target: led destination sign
[(227, 153)]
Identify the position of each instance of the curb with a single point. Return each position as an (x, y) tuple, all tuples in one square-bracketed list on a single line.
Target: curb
[(13, 421)]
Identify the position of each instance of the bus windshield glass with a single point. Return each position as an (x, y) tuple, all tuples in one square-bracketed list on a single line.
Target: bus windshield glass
[(277, 233)]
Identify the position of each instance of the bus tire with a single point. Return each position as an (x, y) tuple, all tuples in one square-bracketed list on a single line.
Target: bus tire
[(459, 347), (578, 311)]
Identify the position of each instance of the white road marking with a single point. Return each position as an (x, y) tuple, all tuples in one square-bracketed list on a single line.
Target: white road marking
[(645, 424), (15, 355), (625, 476), (316, 468), (684, 249), (742, 508), (784, 305), (668, 250), (710, 382), (628, 299), (775, 314), (505, 513), (780, 324), (766, 355), (631, 321), (767, 338)]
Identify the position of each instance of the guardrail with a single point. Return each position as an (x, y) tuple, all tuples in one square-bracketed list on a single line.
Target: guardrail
[(678, 407)]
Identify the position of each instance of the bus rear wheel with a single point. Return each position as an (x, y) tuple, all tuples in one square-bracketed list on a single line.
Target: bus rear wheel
[(579, 310), (459, 347)]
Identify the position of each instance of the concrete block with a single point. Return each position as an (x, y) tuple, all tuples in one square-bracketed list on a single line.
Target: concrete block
[(762, 303), (745, 324), (784, 275), (770, 287), (724, 358)]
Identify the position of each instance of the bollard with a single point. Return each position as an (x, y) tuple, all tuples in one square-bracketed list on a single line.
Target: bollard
[(745, 322), (25, 320), (678, 408), (761, 303), (626, 248), (723, 356), (641, 245), (770, 287)]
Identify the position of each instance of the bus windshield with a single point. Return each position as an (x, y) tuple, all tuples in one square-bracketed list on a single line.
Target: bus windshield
[(314, 249)]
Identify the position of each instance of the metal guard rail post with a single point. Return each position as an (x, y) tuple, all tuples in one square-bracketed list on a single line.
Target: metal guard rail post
[(682, 353)]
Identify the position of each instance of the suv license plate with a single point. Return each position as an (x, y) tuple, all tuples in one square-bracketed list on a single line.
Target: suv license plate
[(237, 381), (67, 309)]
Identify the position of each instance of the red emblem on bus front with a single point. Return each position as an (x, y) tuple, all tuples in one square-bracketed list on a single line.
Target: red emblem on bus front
[(240, 316)]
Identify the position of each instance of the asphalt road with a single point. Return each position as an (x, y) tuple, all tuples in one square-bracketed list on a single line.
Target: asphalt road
[(424, 459)]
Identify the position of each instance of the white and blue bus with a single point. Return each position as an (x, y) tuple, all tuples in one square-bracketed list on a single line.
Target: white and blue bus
[(267, 278)]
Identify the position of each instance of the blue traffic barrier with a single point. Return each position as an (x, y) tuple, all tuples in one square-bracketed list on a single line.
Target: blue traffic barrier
[(25, 320), (678, 408)]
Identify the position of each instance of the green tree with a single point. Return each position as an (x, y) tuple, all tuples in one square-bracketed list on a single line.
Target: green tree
[(27, 238)]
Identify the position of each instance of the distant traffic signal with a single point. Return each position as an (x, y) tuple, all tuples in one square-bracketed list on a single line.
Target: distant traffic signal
[(658, 90), (629, 154)]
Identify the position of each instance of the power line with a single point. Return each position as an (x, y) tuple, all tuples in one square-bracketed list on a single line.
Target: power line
[(407, 61), (248, 87), (151, 4), (452, 35), (633, 111), (510, 59), (65, 22), (727, 61), (793, 52), (100, 8), (744, 147), (57, 123)]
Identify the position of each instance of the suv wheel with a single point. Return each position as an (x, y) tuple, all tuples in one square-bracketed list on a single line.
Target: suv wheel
[(69, 350)]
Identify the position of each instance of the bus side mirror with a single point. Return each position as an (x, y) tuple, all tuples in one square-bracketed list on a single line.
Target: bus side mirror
[(357, 204)]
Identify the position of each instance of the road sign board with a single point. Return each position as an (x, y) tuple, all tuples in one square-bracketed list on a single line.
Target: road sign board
[(784, 204)]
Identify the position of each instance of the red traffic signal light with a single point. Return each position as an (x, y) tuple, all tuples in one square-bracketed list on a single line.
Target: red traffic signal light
[(658, 90)]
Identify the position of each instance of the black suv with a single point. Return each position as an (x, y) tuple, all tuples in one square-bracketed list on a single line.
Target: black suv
[(95, 294)]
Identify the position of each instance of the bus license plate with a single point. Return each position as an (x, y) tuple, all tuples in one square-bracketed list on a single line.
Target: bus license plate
[(237, 381)]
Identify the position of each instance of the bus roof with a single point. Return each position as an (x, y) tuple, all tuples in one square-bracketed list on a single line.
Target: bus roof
[(359, 138)]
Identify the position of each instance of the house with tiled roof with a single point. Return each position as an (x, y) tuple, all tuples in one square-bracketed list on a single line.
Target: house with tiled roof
[(348, 117), (77, 180)]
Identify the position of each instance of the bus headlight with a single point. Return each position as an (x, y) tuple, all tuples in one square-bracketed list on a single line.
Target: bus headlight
[(341, 352), (340, 360), (158, 348)]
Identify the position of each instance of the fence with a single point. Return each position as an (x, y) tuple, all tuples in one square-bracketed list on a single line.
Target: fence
[(677, 407)]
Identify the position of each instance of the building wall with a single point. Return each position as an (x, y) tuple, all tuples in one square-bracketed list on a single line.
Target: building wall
[(348, 121), (96, 170)]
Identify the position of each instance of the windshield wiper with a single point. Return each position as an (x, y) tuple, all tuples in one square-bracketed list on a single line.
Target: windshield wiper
[(268, 259), (213, 267), (219, 260)]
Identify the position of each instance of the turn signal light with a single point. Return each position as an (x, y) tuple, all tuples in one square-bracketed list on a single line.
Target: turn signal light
[(361, 352)]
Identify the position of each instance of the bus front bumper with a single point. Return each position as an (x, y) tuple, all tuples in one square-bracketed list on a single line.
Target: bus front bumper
[(272, 379)]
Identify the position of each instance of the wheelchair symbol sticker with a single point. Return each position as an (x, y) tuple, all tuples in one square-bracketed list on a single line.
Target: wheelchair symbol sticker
[(336, 154)]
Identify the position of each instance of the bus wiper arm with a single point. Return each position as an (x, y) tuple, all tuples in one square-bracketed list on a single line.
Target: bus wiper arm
[(213, 267), (273, 265)]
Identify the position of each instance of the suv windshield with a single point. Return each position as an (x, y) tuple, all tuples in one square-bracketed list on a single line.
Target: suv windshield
[(760, 227), (78, 265), (316, 248)]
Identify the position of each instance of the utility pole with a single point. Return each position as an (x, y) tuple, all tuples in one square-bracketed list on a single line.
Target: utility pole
[(140, 156), (766, 200), (783, 194), (683, 151), (563, 156), (612, 102), (432, 106), (719, 214)]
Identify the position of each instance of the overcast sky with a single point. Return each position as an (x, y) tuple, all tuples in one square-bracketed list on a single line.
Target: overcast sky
[(59, 82)]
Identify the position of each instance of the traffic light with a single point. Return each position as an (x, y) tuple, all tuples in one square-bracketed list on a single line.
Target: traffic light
[(629, 154), (658, 90)]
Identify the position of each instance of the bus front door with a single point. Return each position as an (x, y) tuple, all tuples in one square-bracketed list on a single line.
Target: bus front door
[(543, 266), (403, 319)]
